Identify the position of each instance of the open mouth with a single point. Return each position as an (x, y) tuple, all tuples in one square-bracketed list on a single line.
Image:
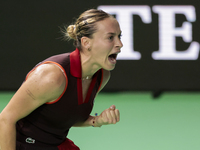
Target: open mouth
[(112, 58)]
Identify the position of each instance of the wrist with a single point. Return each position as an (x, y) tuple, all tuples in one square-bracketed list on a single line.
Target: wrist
[(94, 121)]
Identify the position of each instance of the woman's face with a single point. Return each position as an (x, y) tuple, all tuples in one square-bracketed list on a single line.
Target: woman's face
[(106, 43)]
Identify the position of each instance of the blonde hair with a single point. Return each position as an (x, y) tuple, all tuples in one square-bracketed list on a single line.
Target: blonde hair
[(85, 26)]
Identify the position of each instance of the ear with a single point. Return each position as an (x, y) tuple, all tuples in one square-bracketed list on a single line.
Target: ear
[(85, 42)]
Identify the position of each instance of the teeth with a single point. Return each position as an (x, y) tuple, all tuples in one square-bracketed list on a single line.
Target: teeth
[(112, 58)]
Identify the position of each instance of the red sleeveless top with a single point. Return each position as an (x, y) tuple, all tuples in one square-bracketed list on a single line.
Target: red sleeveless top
[(49, 124)]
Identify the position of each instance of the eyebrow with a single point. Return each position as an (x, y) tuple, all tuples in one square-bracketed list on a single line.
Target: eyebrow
[(111, 33)]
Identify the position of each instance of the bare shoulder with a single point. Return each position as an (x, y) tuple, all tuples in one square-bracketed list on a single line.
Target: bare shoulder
[(44, 84), (50, 80), (48, 69), (50, 72)]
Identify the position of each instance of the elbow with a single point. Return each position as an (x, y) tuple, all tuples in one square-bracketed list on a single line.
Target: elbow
[(5, 122), (2, 121), (2, 124)]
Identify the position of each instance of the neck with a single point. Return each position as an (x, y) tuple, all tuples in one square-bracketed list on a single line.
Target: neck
[(86, 78), (88, 67)]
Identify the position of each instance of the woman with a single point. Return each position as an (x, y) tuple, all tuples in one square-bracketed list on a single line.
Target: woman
[(58, 93)]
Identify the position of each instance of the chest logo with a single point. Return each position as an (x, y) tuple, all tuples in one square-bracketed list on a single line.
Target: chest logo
[(30, 140)]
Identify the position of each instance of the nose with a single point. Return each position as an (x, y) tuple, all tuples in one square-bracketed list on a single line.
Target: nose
[(119, 43)]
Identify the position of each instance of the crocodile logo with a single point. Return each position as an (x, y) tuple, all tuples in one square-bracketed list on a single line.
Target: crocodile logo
[(30, 140)]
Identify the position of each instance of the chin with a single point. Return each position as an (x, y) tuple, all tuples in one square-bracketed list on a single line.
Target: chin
[(109, 68)]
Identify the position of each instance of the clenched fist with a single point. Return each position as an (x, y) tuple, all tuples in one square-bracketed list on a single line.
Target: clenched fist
[(108, 116)]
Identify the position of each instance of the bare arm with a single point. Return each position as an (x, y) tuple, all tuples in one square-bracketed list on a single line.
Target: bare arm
[(45, 84)]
